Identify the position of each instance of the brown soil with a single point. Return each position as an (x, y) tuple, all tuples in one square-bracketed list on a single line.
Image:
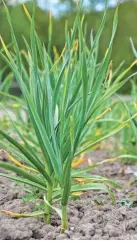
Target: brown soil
[(87, 219)]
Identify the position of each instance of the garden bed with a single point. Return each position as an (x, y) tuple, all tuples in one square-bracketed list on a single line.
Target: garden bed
[(91, 217)]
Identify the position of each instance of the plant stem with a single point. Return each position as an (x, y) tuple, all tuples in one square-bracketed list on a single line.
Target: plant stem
[(64, 218), (47, 216)]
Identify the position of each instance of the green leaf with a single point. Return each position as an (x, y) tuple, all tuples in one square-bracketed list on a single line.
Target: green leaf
[(57, 210), (93, 186), (28, 155), (23, 180), (21, 172)]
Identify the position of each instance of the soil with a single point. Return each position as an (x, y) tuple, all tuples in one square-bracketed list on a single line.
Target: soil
[(88, 218)]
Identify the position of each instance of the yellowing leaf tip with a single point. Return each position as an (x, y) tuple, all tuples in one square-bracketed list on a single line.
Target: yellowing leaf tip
[(4, 3), (133, 63), (26, 11), (50, 15)]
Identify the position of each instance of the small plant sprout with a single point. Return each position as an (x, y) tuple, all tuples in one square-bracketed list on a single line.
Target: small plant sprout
[(62, 99)]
